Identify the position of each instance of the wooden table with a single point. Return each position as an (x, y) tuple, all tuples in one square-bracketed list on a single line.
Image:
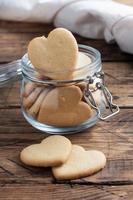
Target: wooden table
[(114, 137)]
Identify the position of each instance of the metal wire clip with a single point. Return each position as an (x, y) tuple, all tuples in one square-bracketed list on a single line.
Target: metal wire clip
[(88, 95)]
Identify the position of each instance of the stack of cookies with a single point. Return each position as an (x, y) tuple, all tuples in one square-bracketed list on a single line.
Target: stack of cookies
[(56, 58), (67, 161)]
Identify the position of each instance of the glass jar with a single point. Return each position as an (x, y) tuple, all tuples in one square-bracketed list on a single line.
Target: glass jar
[(65, 106)]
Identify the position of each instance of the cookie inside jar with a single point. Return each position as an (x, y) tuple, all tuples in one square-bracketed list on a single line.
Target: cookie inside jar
[(54, 81)]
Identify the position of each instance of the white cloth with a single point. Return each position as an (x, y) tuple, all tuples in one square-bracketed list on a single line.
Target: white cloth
[(89, 18)]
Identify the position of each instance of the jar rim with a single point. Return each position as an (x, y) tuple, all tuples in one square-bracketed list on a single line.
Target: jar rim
[(94, 66)]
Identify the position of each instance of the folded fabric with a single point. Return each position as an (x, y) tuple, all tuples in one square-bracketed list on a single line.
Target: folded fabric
[(89, 18)]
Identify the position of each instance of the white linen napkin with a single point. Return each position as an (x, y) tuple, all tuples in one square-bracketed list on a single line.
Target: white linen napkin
[(89, 18)]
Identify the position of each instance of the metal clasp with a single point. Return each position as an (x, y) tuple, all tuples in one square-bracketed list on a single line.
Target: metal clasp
[(88, 95)]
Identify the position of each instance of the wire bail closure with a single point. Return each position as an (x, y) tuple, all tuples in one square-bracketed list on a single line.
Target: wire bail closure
[(107, 95)]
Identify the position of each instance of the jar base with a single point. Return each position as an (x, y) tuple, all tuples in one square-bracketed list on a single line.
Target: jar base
[(61, 130)]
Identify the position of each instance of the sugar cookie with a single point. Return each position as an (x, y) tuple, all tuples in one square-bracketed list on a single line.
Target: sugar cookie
[(80, 164), (28, 101), (52, 151), (28, 88), (34, 109), (30, 85), (63, 107), (56, 55)]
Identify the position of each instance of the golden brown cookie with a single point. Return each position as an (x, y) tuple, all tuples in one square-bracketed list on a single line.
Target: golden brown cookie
[(28, 88), (52, 151), (30, 85), (82, 85), (63, 107), (80, 164), (29, 100), (34, 109), (54, 56)]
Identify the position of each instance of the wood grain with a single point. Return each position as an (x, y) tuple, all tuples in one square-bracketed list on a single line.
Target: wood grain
[(62, 192)]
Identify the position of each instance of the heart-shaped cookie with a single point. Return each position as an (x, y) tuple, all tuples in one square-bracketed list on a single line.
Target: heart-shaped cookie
[(63, 107), (54, 56), (30, 85), (52, 151), (28, 88), (80, 164), (29, 100), (34, 109)]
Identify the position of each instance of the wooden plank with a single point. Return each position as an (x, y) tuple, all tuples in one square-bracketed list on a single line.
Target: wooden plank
[(113, 137), (119, 73), (10, 94), (14, 37), (65, 191), (24, 27)]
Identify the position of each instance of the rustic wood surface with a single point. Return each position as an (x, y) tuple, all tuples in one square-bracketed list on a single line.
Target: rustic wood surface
[(114, 137)]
